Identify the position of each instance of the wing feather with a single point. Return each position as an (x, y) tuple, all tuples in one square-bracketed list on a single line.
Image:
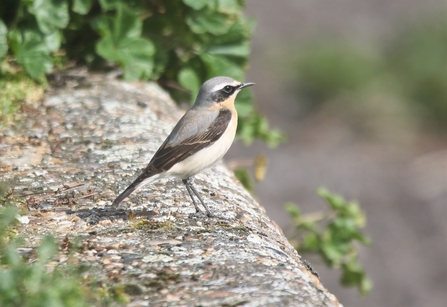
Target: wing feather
[(170, 154)]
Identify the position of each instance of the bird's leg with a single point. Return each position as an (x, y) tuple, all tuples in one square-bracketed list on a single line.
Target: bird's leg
[(190, 192), (190, 187)]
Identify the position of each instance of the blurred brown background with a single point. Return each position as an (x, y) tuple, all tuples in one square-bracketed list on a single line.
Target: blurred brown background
[(360, 89)]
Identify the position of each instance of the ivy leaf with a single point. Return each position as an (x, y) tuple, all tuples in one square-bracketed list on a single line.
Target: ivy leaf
[(107, 49), (133, 54), (82, 6), (50, 14), (196, 4), (32, 53), (121, 43), (189, 79), (3, 40), (220, 66), (136, 55)]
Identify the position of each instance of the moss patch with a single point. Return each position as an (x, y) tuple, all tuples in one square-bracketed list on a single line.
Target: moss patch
[(16, 89)]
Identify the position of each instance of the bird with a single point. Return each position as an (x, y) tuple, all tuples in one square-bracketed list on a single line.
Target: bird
[(200, 138)]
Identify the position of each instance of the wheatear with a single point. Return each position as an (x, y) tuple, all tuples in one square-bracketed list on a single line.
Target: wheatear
[(201, 137)]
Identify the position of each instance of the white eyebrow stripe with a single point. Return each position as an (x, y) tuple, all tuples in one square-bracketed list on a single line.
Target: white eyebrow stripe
[(221, 86)]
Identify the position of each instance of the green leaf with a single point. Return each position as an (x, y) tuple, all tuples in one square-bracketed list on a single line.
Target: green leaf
[(7, 219), (229, 6), (189, 79), (10, 256), (109, 4), (334, 201), (32, 52), (134, 54), (366, 285), (220, 66), (292, 209), (124, 25), (47, 249), (355, 275), (82, 6), (196, 4), (244, 177), (3, 40), (136, 57), (15, 40), (107, 49), (50, 14), (274, 137), (53, 41), (255, 126), (332, 253), (122, 43), (215, 23)]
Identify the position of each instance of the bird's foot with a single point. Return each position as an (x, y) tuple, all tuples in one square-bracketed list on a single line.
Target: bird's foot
[(200, 214)]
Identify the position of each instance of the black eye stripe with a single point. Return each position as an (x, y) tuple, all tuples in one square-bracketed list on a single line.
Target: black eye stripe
[(228, 89), (224, 93)]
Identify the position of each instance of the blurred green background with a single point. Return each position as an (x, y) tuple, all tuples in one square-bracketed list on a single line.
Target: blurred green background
[(360, 89)]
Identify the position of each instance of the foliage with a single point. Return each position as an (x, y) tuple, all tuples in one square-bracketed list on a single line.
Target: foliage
[(180, 43), (29, 283), (258, 166), (333, 235), (244, 177)]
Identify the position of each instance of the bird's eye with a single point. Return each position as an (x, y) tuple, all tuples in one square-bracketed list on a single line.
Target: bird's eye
[(228, 89)]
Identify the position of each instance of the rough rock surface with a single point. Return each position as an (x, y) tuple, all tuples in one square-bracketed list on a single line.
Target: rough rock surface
[(71, 155)]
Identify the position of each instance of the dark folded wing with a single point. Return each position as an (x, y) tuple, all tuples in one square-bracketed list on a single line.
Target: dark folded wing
[(170, 154)]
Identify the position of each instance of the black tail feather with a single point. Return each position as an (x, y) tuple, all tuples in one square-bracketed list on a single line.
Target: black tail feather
[(130, 189)]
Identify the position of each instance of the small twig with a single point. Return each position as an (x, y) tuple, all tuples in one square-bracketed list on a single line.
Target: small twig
[(59, 190), (86, 196), (68, 188)]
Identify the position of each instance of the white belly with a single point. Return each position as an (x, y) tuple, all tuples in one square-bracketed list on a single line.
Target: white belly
[(205, 157)]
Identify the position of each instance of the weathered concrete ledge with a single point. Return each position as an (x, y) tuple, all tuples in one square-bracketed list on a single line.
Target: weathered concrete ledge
[(72, 154)]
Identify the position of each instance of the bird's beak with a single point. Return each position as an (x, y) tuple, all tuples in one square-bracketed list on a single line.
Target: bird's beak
[(242, 85)]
